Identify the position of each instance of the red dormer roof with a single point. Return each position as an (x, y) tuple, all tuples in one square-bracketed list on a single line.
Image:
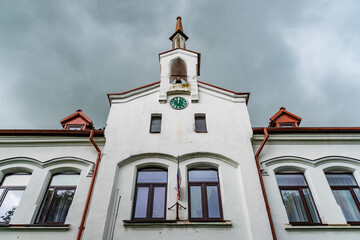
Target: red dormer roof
[(284, 118), (77, 118)]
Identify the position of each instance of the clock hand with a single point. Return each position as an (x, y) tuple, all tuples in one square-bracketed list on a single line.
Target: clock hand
[(178, 100)]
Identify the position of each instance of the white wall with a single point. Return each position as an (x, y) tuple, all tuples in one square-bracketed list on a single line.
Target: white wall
[(313, 155)]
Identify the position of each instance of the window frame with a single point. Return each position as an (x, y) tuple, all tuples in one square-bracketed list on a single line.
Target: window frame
[(81, 126), (351, 190), (287, 124), (150, 197), (303, 199), (43, 220), (7, 188), (153, 116), (204, 202), (200, 116)]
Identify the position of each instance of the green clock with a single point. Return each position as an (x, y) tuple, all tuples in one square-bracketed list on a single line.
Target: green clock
[(178, 103)]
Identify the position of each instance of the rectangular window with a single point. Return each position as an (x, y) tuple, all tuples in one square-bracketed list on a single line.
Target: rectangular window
[(200, 123), (58, 198), (150, 196), (204, 195), (11, 190), (287, 124), (347, 195), (296, 195), (75, 127), (155, 125)]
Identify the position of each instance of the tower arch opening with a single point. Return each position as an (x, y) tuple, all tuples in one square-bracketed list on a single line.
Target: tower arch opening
[(178, 71)]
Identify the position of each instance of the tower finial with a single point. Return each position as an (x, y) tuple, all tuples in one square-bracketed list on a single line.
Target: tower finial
[(178, 24), (178, 38)]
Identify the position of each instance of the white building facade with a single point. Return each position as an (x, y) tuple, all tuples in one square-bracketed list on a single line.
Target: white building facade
[(180, 159)]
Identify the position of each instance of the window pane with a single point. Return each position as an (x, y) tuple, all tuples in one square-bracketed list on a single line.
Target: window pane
[(60, 205), (141, 202), (41, 217), (347, 205), (152, 177), (155, 124), (203, 176), (213, 201), (356, 190), (290, 180), (9, 204), (311, 206), (196, 203), (64, 180), (16, 180), (294, 206), (341, 179), (200, 124), (159, 202), (74, 127)]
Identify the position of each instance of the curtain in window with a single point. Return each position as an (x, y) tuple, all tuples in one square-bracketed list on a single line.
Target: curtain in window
[(294, 206), (196, 202), (347, 205)]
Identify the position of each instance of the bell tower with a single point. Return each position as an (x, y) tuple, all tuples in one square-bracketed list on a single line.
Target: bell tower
[(179, 67)]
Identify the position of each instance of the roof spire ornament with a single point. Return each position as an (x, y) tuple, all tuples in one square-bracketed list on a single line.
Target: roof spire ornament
[(178, 38)]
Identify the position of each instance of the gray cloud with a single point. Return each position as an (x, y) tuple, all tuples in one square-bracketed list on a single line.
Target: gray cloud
[(58, 56)]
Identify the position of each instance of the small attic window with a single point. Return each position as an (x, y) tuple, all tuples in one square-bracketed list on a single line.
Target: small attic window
[(178, 73), (75, 127), (287, 124)]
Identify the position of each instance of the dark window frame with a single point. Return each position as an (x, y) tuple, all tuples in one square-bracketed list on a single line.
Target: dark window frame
[(351, 189), (42, 220), (150, 199), (204, 202), (155, 117), (7, 188), (287, 124), (68, 126), (303, 199), (201, 116)]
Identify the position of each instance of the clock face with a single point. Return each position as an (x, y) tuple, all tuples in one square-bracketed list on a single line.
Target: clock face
[(178, 103)]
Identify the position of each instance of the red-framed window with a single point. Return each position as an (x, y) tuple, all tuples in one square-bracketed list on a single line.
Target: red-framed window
[(58, 198), (297, 198), (204, 195), (150, 195), (347, 194), (11, 190)]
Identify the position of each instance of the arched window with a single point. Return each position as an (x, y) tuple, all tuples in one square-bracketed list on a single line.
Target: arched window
[(58, 198), (296, 195), (178, 71), (347, 195), (204, 195), (11, 189), (150, 194)]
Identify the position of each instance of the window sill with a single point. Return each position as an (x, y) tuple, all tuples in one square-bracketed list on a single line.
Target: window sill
[(56, 227), (290, 227), (173, 223)]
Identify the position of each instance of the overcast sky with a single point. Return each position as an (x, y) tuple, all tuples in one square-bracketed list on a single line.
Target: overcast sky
[(59, 56)]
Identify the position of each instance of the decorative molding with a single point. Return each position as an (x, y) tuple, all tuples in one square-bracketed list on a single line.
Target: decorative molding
[(49, 163), (181, 158), (306, 161)]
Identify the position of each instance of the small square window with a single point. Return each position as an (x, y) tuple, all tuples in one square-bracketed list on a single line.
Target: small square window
[(155, 126), (200, 124)]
